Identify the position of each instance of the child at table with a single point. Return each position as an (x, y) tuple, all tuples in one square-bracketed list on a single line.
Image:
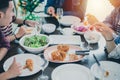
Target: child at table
[(6, 13)]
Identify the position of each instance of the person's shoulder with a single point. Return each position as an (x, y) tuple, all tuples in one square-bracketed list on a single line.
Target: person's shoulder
[(117, 9)]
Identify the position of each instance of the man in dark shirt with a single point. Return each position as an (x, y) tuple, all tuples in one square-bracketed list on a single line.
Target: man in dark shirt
[(70, 7)]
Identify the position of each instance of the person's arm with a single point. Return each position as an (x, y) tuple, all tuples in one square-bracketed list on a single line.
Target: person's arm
[(3, 52), (4, 76), (21, 32), (107, 34), (14, 70), (25, 22), (11, 38), (110, 45), (112, 49)]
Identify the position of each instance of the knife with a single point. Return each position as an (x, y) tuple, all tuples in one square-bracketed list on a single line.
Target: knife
[(81, 53)]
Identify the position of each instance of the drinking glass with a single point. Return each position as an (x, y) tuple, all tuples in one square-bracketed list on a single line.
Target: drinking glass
[(38, 27), (87, 38), (43, 76), (59, 14)]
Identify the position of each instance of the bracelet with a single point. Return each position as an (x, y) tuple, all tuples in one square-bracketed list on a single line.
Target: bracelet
[(14, 19), (110, 39), (15, 36), (24, 21)]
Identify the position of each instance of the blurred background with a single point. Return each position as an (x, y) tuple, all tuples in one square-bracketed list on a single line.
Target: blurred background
[(99, 8)]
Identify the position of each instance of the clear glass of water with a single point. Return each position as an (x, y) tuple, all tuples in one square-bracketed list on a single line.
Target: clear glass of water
[(44, 76), (59, 14)]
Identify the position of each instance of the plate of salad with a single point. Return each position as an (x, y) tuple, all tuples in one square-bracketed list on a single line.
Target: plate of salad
[(34, 43)]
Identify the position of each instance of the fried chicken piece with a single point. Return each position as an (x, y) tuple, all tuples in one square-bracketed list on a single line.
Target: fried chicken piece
[(29, 64), (58, 55), (73, 57), (63, 47)]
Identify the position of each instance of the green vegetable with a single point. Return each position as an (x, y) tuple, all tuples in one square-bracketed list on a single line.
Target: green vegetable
[(35, 41)]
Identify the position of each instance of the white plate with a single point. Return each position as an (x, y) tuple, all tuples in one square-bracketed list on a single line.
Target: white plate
[(71, 72), (21, 58), (111, 67), (65, 39), (72, 49), (69, 20)]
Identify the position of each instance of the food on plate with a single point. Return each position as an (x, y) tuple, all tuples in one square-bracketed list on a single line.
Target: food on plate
[(80, 28), (35, 41), (58, 55), (73, 57), (106, 74), (62, 53), (63, 47), (29, 64)]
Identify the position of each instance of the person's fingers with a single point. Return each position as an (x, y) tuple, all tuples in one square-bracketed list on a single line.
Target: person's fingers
[(14, 60)]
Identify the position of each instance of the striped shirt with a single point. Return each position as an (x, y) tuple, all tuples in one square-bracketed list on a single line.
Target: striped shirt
[(3, 41), (113, 20), (7, 30)]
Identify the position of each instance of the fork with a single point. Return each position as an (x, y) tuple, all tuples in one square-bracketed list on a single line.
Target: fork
[(105, 73)]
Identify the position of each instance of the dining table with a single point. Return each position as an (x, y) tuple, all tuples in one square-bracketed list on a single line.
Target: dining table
[(97, 48)]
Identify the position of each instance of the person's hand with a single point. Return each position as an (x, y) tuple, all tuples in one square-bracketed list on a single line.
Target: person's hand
[(31, 23), (15, 69), (51, 11), (21, 32), (91, 19), (105, 30)]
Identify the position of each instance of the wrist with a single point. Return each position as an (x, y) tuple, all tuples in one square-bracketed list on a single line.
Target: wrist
[(15, 36), (7, 75), (25, 22)]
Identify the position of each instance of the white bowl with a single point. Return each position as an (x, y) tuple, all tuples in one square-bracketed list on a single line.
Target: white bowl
[(49, 28), (79, 28), (69, 20), (92, 36), (67, 31), (30, 49)]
